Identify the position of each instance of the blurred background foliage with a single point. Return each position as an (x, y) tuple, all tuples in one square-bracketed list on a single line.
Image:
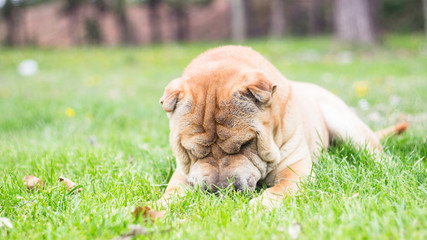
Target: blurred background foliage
[(402, 15), (135, 22)]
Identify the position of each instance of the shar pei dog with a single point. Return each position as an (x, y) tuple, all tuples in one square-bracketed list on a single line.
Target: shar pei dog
[(235, 120)]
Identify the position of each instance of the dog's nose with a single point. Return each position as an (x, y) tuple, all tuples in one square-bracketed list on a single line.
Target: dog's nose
[(235, 171), (207, 183), (240, 183)]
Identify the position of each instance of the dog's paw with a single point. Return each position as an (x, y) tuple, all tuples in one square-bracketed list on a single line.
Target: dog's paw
[(165, 201), (162, 203), (265, 201)]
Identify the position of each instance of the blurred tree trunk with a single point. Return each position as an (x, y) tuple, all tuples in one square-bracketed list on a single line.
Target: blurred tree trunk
[(72, 9), (355, 21), (154, 16), (277, 20), (127, 35), (314, 15), (181, 17), (10, 14), (26, 38), (101, 8), (182, 23), (425, 15), (238, 20)]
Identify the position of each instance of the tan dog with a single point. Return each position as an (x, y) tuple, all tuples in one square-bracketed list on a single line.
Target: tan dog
[(234, 119)]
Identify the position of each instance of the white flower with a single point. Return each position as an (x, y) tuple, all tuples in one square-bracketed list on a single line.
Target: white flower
[(5, 222), (28, 67), (363, 104)]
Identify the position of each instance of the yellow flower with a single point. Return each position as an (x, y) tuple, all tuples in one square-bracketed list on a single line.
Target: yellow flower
[(378, 81), (4, 93), (89, 116), (93, 81), (361, 88), (70, 112)]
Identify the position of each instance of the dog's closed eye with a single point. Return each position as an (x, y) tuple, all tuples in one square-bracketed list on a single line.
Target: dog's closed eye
[(246, 144)]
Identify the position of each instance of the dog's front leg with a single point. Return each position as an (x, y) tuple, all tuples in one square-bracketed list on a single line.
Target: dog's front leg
[(286, 183), (176, 187)]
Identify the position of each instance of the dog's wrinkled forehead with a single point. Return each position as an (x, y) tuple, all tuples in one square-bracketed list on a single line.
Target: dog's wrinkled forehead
[(220, 110), (225, 122), (219, 89), (218, 104), (240, 103)]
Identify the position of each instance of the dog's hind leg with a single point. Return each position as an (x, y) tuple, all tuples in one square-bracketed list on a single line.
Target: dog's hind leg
[(343, 124)]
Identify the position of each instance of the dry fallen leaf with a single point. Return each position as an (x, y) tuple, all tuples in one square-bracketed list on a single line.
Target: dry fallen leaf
[(33, 182), (294, 230), (69, 184), (5, 222), (147, 213)]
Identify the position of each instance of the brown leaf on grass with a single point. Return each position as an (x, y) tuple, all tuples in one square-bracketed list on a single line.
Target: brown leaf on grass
[(147, 213), (33, 182), (69, 184)]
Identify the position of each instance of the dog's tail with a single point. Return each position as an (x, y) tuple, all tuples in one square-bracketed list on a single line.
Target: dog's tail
[(393, 130)]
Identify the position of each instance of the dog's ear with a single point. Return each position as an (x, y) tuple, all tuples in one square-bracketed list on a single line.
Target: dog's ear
[(259, 86), (169, 101), (170, 96)]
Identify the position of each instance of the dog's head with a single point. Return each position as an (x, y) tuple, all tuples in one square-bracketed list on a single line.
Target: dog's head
[(222, 124)]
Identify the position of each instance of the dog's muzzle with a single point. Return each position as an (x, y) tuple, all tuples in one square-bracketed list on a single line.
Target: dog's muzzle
[(232, 170)]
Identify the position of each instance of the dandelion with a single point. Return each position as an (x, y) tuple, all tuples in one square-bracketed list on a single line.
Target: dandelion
[(70, 112), (361, 88)]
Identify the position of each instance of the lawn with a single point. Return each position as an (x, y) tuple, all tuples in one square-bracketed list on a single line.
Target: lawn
[(91, 114)]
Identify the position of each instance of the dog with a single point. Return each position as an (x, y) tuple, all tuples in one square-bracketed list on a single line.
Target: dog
[(235, 120)]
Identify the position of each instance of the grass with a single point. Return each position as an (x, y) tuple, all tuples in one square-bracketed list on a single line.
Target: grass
[(113, 142)]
